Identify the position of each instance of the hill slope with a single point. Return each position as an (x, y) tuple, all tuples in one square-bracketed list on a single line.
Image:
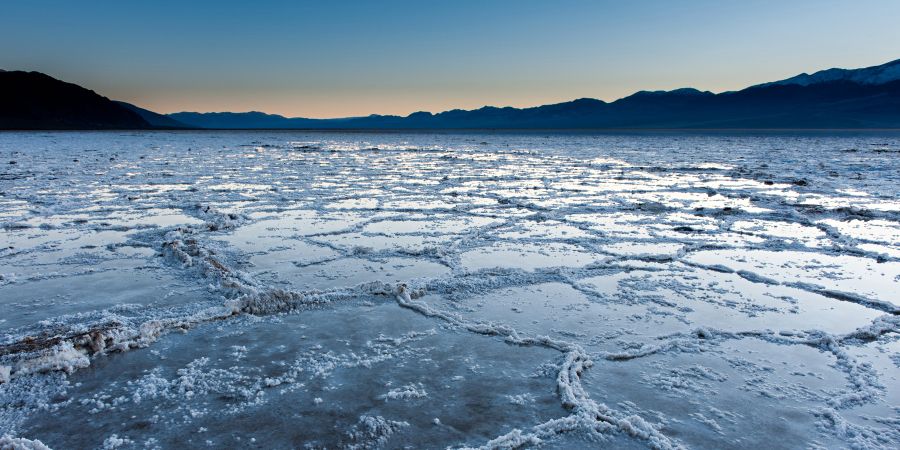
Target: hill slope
[(32, 101), (155, 120)]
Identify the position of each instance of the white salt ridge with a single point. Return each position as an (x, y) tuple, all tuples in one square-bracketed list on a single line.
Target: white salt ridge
[(587, 415), (373, 432), (406, 392), (114, 442), (858, 436), (669, 201), (183, 249), (200, 378), (885, 306), (8, 442), (63, 357), (864, 382)]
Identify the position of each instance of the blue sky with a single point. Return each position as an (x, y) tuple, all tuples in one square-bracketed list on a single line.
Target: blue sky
[(345, 58)]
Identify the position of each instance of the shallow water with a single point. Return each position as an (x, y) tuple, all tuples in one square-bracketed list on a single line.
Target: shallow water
[(495, 290)]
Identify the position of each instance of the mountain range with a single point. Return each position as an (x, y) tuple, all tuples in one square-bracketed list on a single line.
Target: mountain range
[(32, 100), (833, 98)]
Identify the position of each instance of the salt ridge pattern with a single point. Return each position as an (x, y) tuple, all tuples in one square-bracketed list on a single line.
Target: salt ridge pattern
[(663, 291)]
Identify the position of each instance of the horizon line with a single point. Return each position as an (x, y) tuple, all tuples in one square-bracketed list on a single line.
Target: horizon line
[(699, 90), (561, 101)]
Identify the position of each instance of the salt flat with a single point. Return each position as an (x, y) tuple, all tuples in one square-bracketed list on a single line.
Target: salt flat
[(492, 290)]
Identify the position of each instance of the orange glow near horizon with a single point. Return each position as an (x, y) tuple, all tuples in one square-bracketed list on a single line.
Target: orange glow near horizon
[(355, 58)]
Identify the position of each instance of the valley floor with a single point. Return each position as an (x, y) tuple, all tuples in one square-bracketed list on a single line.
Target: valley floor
[(352, 290)]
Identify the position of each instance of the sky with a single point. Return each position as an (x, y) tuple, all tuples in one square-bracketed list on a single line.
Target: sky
[(352, 58)]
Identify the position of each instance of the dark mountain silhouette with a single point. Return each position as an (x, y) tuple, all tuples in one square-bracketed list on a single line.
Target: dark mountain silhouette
[(32, 101), (833, 98), (155, 120), (884, 73), (253, 119)]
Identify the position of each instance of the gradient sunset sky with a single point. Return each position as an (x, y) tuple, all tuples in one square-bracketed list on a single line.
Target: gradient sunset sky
[(350, 58)]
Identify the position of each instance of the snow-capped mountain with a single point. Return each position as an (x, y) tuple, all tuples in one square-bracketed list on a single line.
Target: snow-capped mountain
[(874, 75)]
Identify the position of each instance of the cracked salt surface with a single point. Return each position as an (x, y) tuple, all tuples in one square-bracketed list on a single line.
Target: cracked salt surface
[(291, 289)]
